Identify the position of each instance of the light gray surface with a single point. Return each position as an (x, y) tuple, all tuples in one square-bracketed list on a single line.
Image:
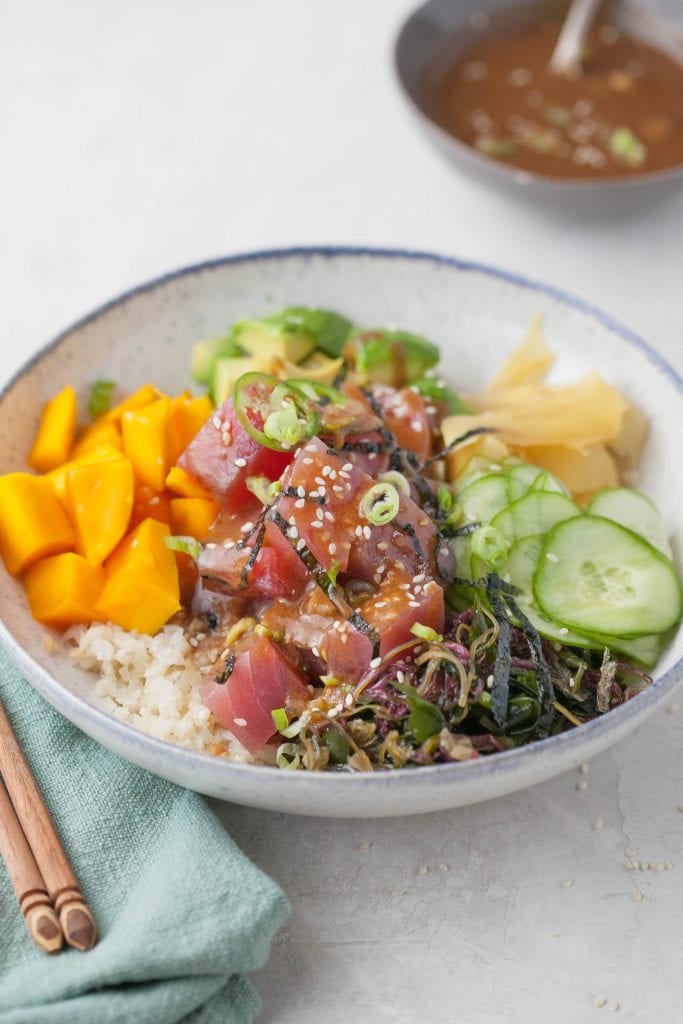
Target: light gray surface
[(136, 137)]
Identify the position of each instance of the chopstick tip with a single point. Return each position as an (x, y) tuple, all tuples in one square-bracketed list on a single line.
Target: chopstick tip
[(78, 926)]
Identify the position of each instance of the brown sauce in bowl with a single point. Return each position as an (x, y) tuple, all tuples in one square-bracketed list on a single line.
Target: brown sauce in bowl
[(621, 115)]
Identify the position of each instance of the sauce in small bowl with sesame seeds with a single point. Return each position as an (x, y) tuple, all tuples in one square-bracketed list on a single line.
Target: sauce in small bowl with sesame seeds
[(622, 115)]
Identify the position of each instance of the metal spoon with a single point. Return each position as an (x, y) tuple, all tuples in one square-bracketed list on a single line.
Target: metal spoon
[(566, 58)]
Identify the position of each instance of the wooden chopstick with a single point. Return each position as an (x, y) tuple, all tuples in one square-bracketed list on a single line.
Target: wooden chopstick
[(41, 920), (62, 885)]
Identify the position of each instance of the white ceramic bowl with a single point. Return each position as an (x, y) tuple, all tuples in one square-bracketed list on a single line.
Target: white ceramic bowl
[(476, 315)]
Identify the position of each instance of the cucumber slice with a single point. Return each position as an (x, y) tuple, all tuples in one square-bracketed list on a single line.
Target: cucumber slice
[(634, 511), (537, 512), (477, 467), (545, 481), (519, 570), (484, 498), (596, 576), (524, 472)]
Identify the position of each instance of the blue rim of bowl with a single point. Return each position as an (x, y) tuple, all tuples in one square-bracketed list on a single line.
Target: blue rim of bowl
[(505, 761)]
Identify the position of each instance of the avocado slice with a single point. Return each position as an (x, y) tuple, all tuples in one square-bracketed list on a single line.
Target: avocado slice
[(272, 340), (205, 353), (391, 357)]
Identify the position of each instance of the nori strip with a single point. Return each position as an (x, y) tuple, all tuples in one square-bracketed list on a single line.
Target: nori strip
[(500, 690), (223, 676), (459, 440), (409, 529), (249, 564), (546, 690)]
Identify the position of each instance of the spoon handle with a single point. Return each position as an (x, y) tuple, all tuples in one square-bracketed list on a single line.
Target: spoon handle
[(567, 53)]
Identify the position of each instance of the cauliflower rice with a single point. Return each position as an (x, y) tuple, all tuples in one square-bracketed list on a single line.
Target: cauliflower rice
[(152, 683)]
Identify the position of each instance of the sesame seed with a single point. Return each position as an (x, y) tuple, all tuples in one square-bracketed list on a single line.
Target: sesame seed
[(358, 531), (382, 546), (315, 651), (300, 545), (564, 630), (292, 521), (319, 480), (347, 467), (367, 532), (299, 503), (217, 422), (400, 676), (332, 713), (418, 588), (413, 604), (381, 568), (310, 448), (567, 884), (240, 721), (599, 1001), (211, 546), (580, 786), (348, 700), (377, 578), (241, 463), (318, 513), (614, 1006), (293, 532), (552, 557), (228, 544), (317, 524), (419, 578), (375, 662), (443, 867), (314, 494), (333, 474), (247, 527), (332, 548), (372, 456), (154, 500), (329, 516), (636, 896), (583, 768), (489, 680), (344, 638), (337, 489), (598, 824), (345, 475), (380, 604), (307, 461), (327, 470), (404, 586), (301, 491), (423, 870)]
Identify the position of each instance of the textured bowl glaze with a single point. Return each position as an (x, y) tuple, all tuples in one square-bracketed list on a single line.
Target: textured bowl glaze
[(476, 315)]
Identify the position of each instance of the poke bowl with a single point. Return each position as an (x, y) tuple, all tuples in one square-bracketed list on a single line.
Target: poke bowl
[(402, 735)]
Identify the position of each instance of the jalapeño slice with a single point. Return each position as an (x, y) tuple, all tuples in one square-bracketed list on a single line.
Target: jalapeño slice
[(274, 412)]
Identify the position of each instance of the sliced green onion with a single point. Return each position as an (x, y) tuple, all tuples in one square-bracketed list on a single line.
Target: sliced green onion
[(279, 716), (284, 426), (454, 515), (333, 570), (380, 504), (627, 146), (445, 498), (188, 545), (288, 756), (265, 490), (100, 397), (426, 633), (490, 545), (397, 479)]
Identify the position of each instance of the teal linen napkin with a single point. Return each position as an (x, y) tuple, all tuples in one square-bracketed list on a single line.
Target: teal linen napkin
[(183, 915)]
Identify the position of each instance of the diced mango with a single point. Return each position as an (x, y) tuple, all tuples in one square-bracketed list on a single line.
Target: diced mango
[(143, 396), (188, 416), (56, 432), (63, 590), (150, 504), (146, 441), (141, 590), (100, 500), (99, 433), (192, 517), (33, 523), (105, 453), (184, 485)]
